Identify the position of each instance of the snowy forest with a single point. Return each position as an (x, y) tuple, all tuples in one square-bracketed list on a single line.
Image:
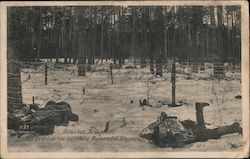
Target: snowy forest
[(118, 68), (145, 32)]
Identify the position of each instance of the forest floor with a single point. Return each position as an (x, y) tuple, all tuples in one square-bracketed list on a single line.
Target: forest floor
[(118, 103)]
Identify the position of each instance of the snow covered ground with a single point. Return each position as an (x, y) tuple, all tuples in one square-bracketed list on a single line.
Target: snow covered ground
[(118, 104)]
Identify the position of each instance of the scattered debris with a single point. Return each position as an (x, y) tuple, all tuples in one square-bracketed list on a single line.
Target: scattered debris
[(184, 102), (124, 122), (130, 67), (176, 104), (106, 127), (64, 82), (238, 97), (153, 82), (188, 78), (144, 102), (165, 102), (83, 90), (204, 78)]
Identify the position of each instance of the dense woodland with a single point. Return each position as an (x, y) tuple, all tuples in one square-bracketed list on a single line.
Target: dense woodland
[(117, 32)]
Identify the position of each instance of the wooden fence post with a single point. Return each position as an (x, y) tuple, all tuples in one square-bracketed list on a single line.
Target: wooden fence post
[(173, 73), (33, 100), (83, 91), (111, 73), (46, 73), (147, 91)]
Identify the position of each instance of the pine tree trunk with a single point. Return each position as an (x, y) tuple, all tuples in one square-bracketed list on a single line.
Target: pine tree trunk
[(58, 45), (220, 27), (133, 36), (90, 59), (159, 40)]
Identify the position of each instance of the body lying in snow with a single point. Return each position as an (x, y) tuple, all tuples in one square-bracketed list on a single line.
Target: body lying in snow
[(42, 121), (170, 132)]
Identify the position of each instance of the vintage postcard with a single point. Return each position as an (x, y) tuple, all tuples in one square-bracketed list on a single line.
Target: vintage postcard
[(124, 79)]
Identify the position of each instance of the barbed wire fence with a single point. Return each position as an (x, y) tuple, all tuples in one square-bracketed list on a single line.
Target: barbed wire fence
[(63, 82)]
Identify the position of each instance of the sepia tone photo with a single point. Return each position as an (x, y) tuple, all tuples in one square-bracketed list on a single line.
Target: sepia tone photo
[(125, 78)]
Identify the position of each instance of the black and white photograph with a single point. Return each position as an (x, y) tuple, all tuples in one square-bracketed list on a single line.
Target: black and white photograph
[(125, 77)]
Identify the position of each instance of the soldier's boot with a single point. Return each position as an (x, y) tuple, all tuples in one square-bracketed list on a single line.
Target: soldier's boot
[(199, 114), (228, 129), (220, 131)]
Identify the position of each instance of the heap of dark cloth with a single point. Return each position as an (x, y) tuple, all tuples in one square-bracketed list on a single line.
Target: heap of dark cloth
[(43, 120), (168, 131)]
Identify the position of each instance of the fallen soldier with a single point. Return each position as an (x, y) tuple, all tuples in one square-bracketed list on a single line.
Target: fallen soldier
[(42, 121), (168, 131)]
